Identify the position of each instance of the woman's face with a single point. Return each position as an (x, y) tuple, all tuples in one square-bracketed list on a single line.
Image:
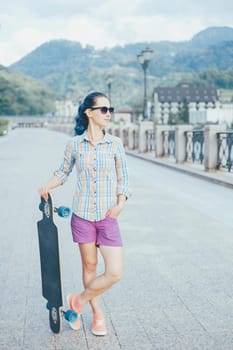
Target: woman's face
[(99, 114)]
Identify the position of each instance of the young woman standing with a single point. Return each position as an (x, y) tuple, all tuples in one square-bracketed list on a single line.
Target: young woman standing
[(100, 195)]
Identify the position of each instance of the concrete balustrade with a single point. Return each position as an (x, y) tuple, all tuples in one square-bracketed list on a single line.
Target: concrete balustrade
[(159, 129), (143, 128), (133, 137), (211, 146), (66, 128), (138, 137), (142, 137), (180, 142)]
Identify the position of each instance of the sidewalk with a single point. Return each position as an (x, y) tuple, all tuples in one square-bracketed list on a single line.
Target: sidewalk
[(177, 291), (219, 177)]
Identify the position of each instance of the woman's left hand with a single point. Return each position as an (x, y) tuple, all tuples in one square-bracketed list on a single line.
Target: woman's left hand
[(114, 212)]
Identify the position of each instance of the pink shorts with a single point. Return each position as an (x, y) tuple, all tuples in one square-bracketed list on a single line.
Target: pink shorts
[(104, 232)]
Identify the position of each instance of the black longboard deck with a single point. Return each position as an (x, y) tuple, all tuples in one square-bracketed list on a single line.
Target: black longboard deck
[(50, 264)]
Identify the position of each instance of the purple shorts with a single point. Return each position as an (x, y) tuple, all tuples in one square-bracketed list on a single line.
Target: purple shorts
[(104, 232)]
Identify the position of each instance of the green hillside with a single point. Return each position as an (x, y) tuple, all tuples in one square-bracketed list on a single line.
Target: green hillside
[(70, 69), (20, 94)]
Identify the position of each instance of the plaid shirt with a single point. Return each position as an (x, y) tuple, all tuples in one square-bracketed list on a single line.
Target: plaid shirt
[(101, 174)]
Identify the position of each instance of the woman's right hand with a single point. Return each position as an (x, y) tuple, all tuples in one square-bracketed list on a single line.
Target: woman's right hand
[(52, 183), (43, 191)]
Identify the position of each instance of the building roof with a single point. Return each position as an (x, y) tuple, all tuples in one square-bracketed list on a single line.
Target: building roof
[(188, 93), (124, 110)]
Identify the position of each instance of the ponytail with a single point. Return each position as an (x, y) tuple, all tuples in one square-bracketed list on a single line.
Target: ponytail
[(81, 118), (81, 121)]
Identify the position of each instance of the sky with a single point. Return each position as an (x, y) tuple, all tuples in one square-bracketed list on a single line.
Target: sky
[(26, 24)]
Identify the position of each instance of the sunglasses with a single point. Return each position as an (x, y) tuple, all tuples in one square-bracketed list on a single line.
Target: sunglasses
[(104, 109)]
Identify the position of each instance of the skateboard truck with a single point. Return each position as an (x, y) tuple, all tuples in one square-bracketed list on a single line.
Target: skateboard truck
[(69, 315), (62, 211)]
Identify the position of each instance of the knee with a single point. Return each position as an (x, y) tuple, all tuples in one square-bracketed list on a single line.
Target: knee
[(114, 277), (89, 266)]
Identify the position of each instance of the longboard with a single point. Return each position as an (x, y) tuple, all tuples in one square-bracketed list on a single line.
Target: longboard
[(51, 266)]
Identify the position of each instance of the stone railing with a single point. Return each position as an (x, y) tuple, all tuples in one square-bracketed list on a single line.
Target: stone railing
[(179, 143), (169, 145), (225, 150), (66, 128), (195, 146), (211, 147)]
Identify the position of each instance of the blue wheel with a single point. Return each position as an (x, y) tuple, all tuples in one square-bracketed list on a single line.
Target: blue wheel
[(71, 316), (48, 306), (41, 207), (64, 212)]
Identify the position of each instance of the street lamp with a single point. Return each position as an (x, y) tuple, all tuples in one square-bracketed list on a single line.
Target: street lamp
[(144, 58), (109, 85), (109, 90)]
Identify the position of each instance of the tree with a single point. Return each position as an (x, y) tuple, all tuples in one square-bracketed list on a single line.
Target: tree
[(184, 112), (172, 119)]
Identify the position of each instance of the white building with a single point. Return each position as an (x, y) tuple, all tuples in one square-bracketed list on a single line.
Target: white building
[(222, 114), (123, 115), (65, 108), (170, 100)]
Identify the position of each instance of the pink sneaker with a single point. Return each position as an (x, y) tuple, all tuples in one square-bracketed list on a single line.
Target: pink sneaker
[(70, 301), (99, 325)]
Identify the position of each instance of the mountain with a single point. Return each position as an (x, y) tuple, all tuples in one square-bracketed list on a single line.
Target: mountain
[(20, 94), (211, 36), (218, 56), (71, 69), (67, 67)]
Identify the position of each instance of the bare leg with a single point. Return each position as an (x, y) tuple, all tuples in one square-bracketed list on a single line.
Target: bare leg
[(89, 256), (113, 259)]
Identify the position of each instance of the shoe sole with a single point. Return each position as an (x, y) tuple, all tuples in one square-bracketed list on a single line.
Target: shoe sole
[(75, 328), (101, 333)]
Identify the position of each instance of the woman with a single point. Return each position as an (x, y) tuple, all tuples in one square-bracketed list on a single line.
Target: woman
[(100, 195)]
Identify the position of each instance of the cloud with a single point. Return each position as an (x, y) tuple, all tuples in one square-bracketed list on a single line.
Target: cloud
[(157, 28), (114, 8), (25, 24), (89, 31), (51, 8)]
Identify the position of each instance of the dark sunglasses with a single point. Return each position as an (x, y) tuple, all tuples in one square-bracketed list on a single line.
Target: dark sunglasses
[(104, 109)]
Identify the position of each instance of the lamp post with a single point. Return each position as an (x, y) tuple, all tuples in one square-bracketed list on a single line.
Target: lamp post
[(109, 90), (144, 58), (109, 86)]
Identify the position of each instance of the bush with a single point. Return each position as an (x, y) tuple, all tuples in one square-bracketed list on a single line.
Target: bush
[(3, 126), (3, 122)]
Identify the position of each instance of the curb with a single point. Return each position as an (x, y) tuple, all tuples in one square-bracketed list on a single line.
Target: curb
[(216, 177)]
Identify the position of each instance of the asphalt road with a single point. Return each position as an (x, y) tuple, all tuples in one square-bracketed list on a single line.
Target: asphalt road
[(177, 291)]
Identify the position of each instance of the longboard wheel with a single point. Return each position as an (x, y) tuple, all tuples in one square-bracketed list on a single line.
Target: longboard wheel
[(55, 319), (41, 207), (48, 306), (64, 212), (71, 316)]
